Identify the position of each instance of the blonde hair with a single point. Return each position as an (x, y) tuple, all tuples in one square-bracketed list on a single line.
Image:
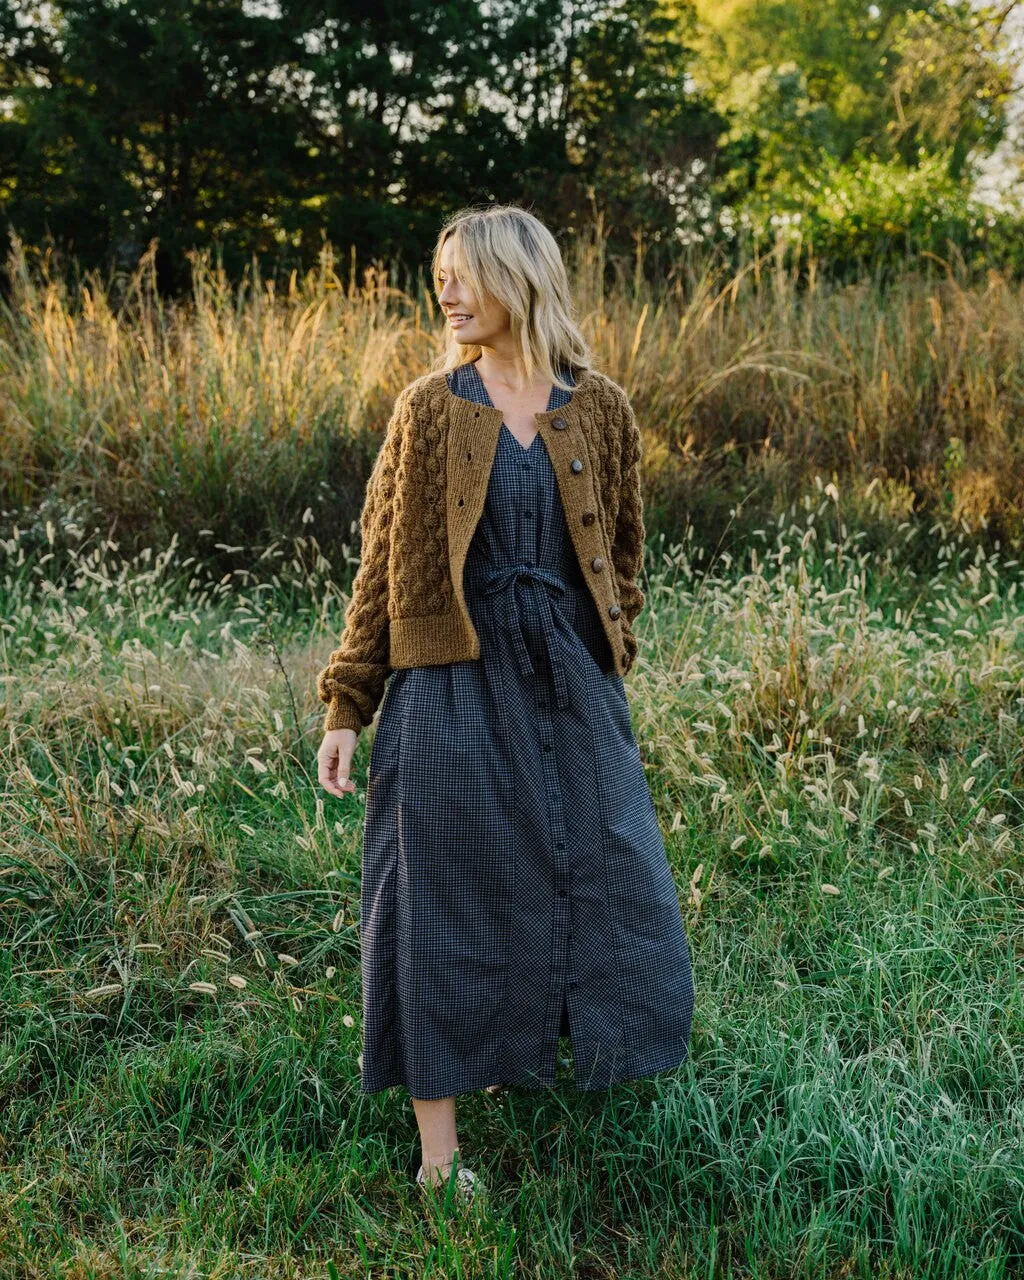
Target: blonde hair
[(506, 253)]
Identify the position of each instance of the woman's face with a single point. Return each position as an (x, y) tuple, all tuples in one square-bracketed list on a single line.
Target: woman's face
[(484, 322)]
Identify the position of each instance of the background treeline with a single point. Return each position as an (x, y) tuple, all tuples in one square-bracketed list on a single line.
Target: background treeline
[(219, 219), (853, 130)]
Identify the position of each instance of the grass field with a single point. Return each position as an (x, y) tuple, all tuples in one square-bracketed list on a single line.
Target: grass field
[(834, 744)]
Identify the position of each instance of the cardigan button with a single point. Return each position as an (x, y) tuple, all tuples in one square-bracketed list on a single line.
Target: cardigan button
[(613, 611), (559, 424), (588, 517), (576, 465), (597, 562)]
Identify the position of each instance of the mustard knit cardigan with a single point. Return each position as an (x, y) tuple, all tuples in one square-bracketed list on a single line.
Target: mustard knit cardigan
[(423, 501)]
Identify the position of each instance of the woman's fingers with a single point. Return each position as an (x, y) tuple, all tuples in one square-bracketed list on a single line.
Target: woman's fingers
[(338, 790), (333, 768)]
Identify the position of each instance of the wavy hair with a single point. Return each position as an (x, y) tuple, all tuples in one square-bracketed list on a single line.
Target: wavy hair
[(505, 253)]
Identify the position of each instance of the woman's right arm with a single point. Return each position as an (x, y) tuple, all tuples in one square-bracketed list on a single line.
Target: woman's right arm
[(352, 683)]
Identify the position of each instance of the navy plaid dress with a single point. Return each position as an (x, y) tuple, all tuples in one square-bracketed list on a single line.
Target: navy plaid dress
[(515, 885)]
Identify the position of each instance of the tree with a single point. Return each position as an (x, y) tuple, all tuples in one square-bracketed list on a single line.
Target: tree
[(167, 118), (268, 128), (803, 79)]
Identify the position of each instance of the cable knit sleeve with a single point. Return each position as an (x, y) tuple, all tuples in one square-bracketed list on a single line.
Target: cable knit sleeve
[(630, 535), (352, 683)]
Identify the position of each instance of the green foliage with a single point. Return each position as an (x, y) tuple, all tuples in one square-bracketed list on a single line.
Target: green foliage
[(859, 129), (892, 79), (873, 215)]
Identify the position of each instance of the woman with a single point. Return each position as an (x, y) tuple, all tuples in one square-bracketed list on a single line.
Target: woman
[(515, 883)]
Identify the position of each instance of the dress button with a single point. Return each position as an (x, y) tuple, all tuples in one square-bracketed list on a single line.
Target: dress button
[(561, 893), (559, 424), (573, 986), (613, 611), (589, 517), (597, 562), (576, 465)]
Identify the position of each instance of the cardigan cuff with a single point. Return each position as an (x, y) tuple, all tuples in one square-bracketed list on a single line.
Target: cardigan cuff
[(342, 713)]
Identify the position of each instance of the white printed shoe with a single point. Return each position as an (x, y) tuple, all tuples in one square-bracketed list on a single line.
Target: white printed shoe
[(467, 1184)]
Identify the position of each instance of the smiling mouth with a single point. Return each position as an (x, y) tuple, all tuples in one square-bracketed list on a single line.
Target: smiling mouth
[(459, 316)]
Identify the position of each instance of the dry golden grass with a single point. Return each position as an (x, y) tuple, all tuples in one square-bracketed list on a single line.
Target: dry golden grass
[(233, 415)]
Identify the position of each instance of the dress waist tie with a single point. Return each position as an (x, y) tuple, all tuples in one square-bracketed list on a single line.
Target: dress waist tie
[(504, 580)]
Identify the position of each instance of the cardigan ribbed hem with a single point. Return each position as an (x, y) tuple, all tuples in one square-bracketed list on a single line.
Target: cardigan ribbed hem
[(433, 638), (442, 638)]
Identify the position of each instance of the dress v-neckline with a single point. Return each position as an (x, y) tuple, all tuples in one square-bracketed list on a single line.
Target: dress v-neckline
[(525, 447)]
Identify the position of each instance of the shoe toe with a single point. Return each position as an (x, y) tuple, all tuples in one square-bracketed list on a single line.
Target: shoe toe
[(467, 1183)]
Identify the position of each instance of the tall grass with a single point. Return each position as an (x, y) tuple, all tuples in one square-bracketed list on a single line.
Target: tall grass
[(245, 412), (833, 741), (829, 701)]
